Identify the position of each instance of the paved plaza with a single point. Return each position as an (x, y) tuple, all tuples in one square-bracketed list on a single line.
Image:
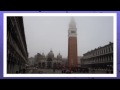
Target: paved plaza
[(56, 71), (46, 71)]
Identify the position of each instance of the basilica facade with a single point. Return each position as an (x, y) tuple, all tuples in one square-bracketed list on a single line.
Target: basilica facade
[(49, 61)]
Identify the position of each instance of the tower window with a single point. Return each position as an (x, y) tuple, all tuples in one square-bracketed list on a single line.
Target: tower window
[(72, 31)]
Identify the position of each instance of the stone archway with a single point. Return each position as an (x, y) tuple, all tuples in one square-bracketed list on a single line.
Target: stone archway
[(54, 65), (49, 63)]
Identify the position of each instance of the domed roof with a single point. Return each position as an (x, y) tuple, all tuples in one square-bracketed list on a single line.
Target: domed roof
[(59, 56), (38, 55), (43, 54), (51, 54), (72, 23)]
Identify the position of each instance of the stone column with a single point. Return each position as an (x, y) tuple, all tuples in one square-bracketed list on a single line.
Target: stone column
[(8, 66), (102, 59), (15, 66), (8, 63), (11, 64), (111, 58), (108, 58), (18, 65), (99, 60), (105, 59)]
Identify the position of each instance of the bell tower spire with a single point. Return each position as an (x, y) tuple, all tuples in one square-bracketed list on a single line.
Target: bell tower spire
[(72, 31), (72, 23), (72, 44)]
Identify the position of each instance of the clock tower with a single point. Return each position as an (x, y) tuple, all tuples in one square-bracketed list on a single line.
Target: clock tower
[(72, 44)]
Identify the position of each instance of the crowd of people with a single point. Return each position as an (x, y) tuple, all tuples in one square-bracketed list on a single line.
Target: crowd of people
[(77, 70)]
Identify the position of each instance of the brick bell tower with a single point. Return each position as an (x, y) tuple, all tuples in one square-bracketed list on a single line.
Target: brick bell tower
[(72, 44)]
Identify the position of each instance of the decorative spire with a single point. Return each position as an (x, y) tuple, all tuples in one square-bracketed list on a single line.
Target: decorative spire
[(72, 22), (43, 53), (72, 19)]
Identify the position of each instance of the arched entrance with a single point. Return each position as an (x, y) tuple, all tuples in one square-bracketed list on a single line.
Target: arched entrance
[(49, 63), (59, 65)]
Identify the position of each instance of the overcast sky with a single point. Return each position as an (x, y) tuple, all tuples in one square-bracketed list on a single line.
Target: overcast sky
[(46, 33)]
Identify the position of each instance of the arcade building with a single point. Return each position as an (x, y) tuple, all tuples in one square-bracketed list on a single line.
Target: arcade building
[(17, 54), (99, 60)]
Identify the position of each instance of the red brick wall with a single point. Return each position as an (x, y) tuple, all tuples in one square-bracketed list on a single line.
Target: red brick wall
[(72, 51)]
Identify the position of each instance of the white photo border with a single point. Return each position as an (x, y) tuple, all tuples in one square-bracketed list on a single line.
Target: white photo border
[(60, 75)]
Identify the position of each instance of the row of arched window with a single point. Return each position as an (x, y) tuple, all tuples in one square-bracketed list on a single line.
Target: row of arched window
[(98, 60), (100, 51)]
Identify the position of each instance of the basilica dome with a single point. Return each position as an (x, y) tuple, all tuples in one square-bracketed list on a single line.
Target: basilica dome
[(43, 55), (59, 56), (51, 54)]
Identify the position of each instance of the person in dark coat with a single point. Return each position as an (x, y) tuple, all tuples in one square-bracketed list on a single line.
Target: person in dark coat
[(53, 69), (24, 70), (16, 71)]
